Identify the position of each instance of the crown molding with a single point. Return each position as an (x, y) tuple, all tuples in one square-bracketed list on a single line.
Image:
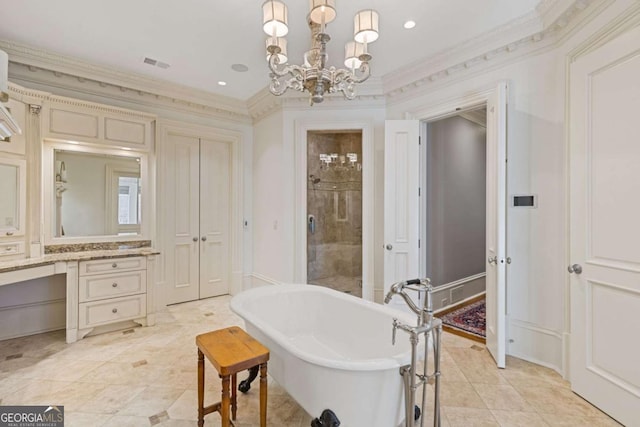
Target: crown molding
[(264, 103), (58, 70), (540, 30)]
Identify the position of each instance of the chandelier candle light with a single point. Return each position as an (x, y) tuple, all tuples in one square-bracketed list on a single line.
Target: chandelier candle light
[(314, 76)]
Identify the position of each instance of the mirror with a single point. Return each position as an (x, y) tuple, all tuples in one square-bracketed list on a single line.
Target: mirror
[(96, 194), (9, 187)]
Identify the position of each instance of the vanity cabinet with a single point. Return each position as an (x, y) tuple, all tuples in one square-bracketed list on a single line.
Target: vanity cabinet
[(112, 290)]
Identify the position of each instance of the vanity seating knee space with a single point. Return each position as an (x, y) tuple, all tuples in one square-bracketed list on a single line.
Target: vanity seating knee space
[(230, 350)]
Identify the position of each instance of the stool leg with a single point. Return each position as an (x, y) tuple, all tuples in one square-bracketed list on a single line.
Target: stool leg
[(224, 409), (234, 401), (263, 395), (200, 388)]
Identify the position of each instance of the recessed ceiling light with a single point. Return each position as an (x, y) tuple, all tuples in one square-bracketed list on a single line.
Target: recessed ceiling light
[(221, 83), (409, 24), (241, 68)]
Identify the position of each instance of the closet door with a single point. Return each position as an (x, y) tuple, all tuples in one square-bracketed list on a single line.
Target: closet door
[(183, 181), (215, 181)]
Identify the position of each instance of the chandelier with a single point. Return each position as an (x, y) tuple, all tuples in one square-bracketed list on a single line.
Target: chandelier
[(314, 76)]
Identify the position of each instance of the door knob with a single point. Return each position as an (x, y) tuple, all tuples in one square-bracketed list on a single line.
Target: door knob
[(575, 268), (389, 247), (195, 239), (204, 238)]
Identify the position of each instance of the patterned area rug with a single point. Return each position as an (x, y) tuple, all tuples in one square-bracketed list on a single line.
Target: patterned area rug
[(470, 318)]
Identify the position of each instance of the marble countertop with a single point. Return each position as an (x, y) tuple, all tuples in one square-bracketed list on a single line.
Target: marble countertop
[(48, 259)]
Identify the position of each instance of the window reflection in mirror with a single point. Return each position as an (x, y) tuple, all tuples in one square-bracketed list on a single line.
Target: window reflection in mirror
[(96, 194)]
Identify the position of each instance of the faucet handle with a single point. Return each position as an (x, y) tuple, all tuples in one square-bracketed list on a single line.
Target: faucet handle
[(393, 334)]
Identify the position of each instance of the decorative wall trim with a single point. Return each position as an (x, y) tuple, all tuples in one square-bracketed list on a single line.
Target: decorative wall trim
[(462, 281), (630, 18), (93, 77), (257, 279), (538, 345), (534, 33)]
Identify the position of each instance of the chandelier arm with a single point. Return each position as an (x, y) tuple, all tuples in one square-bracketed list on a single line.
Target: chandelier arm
[(274, 61), (365, 71), (295, 80)]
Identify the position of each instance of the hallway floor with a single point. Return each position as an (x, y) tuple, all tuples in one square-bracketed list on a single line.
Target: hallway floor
[(147, 377)]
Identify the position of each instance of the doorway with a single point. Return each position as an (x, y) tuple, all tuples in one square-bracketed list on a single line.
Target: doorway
[(334, 210), (454, 218)]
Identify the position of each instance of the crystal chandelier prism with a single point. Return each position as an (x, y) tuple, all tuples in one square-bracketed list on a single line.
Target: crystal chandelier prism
[(314, 76)]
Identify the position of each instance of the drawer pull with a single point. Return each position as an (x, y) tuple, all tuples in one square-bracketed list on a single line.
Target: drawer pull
[(114, 311), (114, 285), (9, 233), (114, 265), (8, 248)]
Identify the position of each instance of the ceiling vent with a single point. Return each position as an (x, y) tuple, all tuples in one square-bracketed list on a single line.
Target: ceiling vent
[(156, 63)]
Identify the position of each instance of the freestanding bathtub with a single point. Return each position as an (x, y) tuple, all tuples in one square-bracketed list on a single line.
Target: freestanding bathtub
[(330, 350)]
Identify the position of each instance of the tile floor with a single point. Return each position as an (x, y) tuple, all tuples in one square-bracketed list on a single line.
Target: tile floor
[(147, 377)]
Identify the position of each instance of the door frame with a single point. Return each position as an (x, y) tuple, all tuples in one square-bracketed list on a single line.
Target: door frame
[(164, 271), (474, 98), (300, 205)]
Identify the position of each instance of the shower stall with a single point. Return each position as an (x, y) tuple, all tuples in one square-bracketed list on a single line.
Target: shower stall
[(334, 210)]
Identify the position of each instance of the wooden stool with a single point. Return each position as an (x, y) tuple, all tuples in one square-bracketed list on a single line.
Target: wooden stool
[(230, 351)]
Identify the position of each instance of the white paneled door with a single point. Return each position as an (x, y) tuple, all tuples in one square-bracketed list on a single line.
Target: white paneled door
[(198, 180), (496, 224), (401, 208), (215, 157), (605, 231)]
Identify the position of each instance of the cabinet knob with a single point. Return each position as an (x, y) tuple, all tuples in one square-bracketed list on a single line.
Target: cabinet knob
[(114, 285), (114, 265), (114, 311)]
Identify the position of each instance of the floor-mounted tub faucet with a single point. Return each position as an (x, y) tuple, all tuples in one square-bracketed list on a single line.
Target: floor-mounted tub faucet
[(427, 325)]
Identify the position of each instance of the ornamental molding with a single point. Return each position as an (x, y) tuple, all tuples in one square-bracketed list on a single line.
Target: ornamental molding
[(543, 29), (57, 70), (36, 99), (264, 103)]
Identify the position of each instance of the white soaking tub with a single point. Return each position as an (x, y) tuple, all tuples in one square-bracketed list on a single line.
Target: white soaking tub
[(330, 350)]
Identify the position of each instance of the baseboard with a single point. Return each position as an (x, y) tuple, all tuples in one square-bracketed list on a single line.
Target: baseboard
[(448, 309), (535, 344), (468, 287), (257, 279), (34, 318)]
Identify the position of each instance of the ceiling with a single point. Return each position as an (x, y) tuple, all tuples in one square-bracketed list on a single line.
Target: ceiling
[(202, 39)]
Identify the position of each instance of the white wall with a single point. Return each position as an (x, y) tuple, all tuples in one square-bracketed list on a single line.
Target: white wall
[(269, 264)]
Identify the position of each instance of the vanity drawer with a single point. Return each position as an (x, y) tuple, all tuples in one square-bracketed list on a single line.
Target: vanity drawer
[(11, 248), (112, 285), (113, 264), (98, 313)]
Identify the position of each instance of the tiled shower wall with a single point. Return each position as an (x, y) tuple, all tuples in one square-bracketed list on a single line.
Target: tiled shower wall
[(335, 249)]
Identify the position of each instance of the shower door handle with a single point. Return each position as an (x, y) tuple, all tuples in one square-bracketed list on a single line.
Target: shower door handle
[(312, 224)]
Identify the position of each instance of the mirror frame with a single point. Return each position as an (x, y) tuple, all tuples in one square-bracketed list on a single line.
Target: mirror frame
[(49, 193), (21, 202)]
